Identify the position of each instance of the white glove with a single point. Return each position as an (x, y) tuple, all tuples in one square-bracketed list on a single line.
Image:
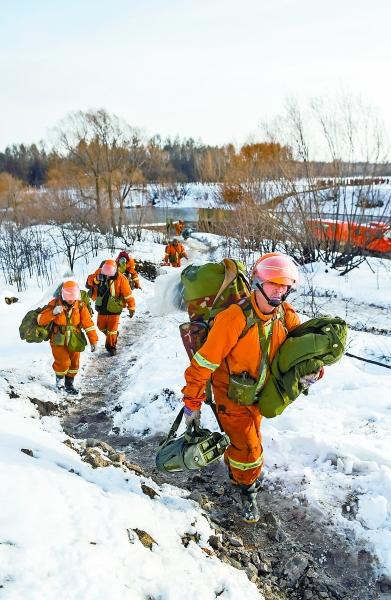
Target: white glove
[(309, 379), (57, 310), (192, 417), (93, 347)]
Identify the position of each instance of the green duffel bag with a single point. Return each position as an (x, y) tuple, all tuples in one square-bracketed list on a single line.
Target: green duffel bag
[(115, 305), (77, 341), (30, 331)]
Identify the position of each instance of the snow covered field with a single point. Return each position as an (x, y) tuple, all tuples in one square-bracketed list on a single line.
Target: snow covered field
[(63, 525)]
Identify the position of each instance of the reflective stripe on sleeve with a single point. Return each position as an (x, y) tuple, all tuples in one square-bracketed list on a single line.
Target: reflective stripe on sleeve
[(200, 360), (92, 328), (127, 297), (242, 466)]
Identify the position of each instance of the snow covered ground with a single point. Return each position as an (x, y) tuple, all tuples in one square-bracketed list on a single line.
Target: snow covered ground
[(64, 526), (69, 531)]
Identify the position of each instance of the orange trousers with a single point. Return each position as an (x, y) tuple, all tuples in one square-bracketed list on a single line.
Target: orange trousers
[(242, 424), (65, 361), (108, 324)]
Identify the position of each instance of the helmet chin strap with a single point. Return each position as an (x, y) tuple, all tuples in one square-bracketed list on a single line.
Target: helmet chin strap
[(273, 301)]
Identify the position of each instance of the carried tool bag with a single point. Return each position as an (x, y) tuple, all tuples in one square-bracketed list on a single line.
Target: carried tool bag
[(30, 331), (207, 290), (194, 449)]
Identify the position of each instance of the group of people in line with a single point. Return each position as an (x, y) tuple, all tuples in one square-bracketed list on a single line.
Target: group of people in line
[(229, 348), (110, 287)]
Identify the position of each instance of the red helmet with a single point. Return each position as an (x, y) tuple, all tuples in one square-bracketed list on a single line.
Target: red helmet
[(277, 268), (109, 268), (122, 254), (70, 291)]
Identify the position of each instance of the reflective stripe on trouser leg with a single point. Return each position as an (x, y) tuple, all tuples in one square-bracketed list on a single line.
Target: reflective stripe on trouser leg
[(111, 324), (244, 466), (244, 456), (66, 362)]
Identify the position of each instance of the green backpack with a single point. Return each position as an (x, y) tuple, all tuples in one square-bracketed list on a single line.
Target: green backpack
[(30, 331), (207, 290)]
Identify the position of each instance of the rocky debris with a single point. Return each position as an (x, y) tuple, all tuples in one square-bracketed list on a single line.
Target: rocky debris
[(190, 537), (143, 536), (149, 491), (11, 393), (101, 454), (44, 408), (294, 568), (11, 299), (27, 451)]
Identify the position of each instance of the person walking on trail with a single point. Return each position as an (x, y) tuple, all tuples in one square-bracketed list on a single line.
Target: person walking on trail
[(69, 315), (127, 266), (231, 349), (174, 252), (111, 292), (179, 226)]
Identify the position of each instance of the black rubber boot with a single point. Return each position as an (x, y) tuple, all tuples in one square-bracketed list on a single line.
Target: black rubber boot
[(248, 494), (60, 382), (69, 387), (112, 350)]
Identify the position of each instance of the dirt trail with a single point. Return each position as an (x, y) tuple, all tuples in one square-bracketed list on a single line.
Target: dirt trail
[(292, 553)]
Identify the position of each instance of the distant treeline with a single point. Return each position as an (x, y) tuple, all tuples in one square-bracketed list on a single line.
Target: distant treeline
[(186, 161)]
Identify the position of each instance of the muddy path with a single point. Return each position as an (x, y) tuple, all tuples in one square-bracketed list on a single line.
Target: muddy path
[(292, 553)]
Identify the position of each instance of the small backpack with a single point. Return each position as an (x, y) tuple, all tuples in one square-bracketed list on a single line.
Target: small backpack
[(30, 331), (207, 290)]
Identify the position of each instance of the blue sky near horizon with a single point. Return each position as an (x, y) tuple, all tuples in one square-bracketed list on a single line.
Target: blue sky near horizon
[(210, 69)]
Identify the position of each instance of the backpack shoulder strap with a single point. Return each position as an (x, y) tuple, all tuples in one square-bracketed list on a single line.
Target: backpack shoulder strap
[(249, 314)]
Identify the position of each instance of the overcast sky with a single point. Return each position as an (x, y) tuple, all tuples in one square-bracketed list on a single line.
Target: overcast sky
[(210, 69)]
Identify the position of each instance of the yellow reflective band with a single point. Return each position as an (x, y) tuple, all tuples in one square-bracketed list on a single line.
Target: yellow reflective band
[(242, 466), (112, 332), (127, 297), (61, 372), (204, 363), (73, 371), (92, 328)]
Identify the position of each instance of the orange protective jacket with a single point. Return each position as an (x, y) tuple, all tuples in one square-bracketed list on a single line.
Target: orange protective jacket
[(179, 228), (130, 269), (77, 315), (173, 253), (119, 288), (225, 352)]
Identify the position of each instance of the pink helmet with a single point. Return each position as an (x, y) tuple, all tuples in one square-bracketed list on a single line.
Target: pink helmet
[(276, 267), (70, 291), (109, 268)]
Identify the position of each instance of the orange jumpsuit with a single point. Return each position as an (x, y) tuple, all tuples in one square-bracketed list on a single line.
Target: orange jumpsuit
[(174, 253), (66, 362), (130, 271), (179, 227), (119, 288), (224, 353)]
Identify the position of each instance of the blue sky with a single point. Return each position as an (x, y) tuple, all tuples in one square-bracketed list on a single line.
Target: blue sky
[(210, 69)]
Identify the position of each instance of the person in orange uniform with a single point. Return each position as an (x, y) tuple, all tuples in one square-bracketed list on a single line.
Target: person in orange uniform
[(127, 266), (69, 315), (174, 251), (226, 352), (111, 292), (179, 226)]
